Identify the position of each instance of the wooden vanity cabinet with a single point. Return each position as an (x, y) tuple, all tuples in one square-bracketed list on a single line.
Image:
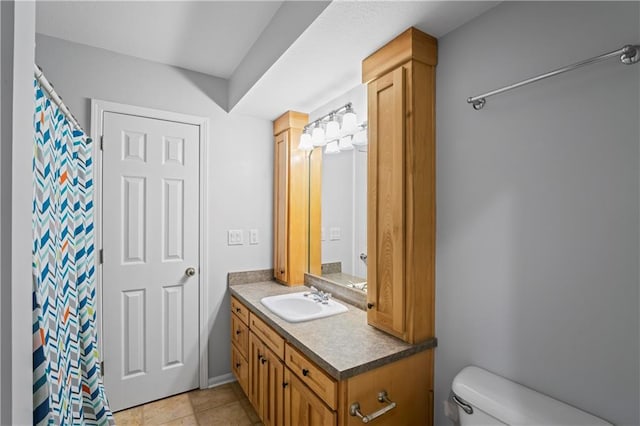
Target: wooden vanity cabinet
[(296, 245), (266, 378), (240, 343), (303, 407), (400, 80), (287, 388)]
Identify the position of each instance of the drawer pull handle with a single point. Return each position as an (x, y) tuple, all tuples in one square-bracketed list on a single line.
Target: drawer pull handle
[(354, 410), (305, 372)]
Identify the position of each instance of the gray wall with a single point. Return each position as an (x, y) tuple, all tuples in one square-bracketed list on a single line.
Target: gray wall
[(538, 208), (16, 128), (240, 155)]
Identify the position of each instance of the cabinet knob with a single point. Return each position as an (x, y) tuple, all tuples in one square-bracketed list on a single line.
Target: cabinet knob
[(238, 309), (285, 384), (263, 360), (305, 372), (282, 271), (370, 305), (238, 331), (260, 357), (238, 365)]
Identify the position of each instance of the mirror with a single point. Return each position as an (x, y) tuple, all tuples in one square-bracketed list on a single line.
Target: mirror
[(344, 203)]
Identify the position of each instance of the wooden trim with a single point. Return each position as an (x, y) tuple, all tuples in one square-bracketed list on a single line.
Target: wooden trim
[(289, 120), (420, 205), (315, 211), (412, 44)]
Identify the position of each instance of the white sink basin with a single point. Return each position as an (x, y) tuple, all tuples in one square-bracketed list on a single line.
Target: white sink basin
[(296, 307)]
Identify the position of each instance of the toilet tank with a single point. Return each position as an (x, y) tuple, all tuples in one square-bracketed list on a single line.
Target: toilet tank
[(494, 400)]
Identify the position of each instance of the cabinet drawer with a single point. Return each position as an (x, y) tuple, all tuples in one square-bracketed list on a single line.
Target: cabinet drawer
[(240, 310), (268, 335), (240, 335), (317, 380), (240, 368), (407, 382)]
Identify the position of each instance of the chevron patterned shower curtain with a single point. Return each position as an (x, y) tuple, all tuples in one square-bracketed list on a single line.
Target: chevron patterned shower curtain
[(67, 383)]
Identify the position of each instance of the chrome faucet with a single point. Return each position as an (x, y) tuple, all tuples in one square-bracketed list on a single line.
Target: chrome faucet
[(318, 295)]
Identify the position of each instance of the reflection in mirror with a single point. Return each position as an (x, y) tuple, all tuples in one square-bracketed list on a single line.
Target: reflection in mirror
[(344, 199)]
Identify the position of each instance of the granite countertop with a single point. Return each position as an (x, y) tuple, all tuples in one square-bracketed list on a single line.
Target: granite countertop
[(344, 345)]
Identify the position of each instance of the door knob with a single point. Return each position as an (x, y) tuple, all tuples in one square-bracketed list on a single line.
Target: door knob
[(190, 272)]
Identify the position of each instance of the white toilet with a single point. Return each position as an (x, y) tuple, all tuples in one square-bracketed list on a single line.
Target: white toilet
[(484, 398)]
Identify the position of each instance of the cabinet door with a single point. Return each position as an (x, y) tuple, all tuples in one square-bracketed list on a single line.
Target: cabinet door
[(256, 355), (273, 391), (240, 368), (386, 209), (302, 407), (281, 208), (239, 334)]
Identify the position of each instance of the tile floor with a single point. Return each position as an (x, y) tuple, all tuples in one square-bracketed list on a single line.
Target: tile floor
[(223, 405)]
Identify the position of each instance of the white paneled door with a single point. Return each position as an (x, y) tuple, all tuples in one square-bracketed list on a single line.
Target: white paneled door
[(150, 271)]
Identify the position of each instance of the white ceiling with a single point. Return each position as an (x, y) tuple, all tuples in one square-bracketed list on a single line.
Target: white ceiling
[(325, 61), (205, 36), (214, 37)]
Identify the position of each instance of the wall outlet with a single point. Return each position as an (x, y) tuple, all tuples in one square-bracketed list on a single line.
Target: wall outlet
[(253, 236), (334, 233), (234, 237)]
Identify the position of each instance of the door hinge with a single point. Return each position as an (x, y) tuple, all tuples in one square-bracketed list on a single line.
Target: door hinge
[(101, 142), (101, 256), (102, 368)]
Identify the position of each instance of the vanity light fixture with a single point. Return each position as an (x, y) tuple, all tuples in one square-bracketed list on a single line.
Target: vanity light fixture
[(305, 141), (327, 130), (349, 121), (333, 127), (345, 144), (317, 137), (332, 148), (360, 137)]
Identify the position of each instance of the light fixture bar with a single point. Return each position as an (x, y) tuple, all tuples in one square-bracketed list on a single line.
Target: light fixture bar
[(344, 107)]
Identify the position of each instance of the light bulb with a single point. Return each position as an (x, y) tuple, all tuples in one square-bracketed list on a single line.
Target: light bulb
[(305, 142), (332, 148), (360, 138), (349, 122), (333, 128), (345, 144), (317, 137)]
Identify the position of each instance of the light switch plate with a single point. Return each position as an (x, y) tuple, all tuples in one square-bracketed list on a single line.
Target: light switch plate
[(253, 236), (334, 233), (234, 237)]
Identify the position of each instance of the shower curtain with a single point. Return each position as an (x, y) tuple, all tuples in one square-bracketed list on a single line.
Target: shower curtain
[(67, 383)]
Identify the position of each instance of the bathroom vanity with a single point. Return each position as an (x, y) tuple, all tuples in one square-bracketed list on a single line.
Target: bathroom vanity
[(330, 371), (349, 368)]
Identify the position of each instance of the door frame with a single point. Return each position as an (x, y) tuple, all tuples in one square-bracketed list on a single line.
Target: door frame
[(98, 108)]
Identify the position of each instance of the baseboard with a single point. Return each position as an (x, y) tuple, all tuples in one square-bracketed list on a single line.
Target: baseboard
[(221, 380)]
